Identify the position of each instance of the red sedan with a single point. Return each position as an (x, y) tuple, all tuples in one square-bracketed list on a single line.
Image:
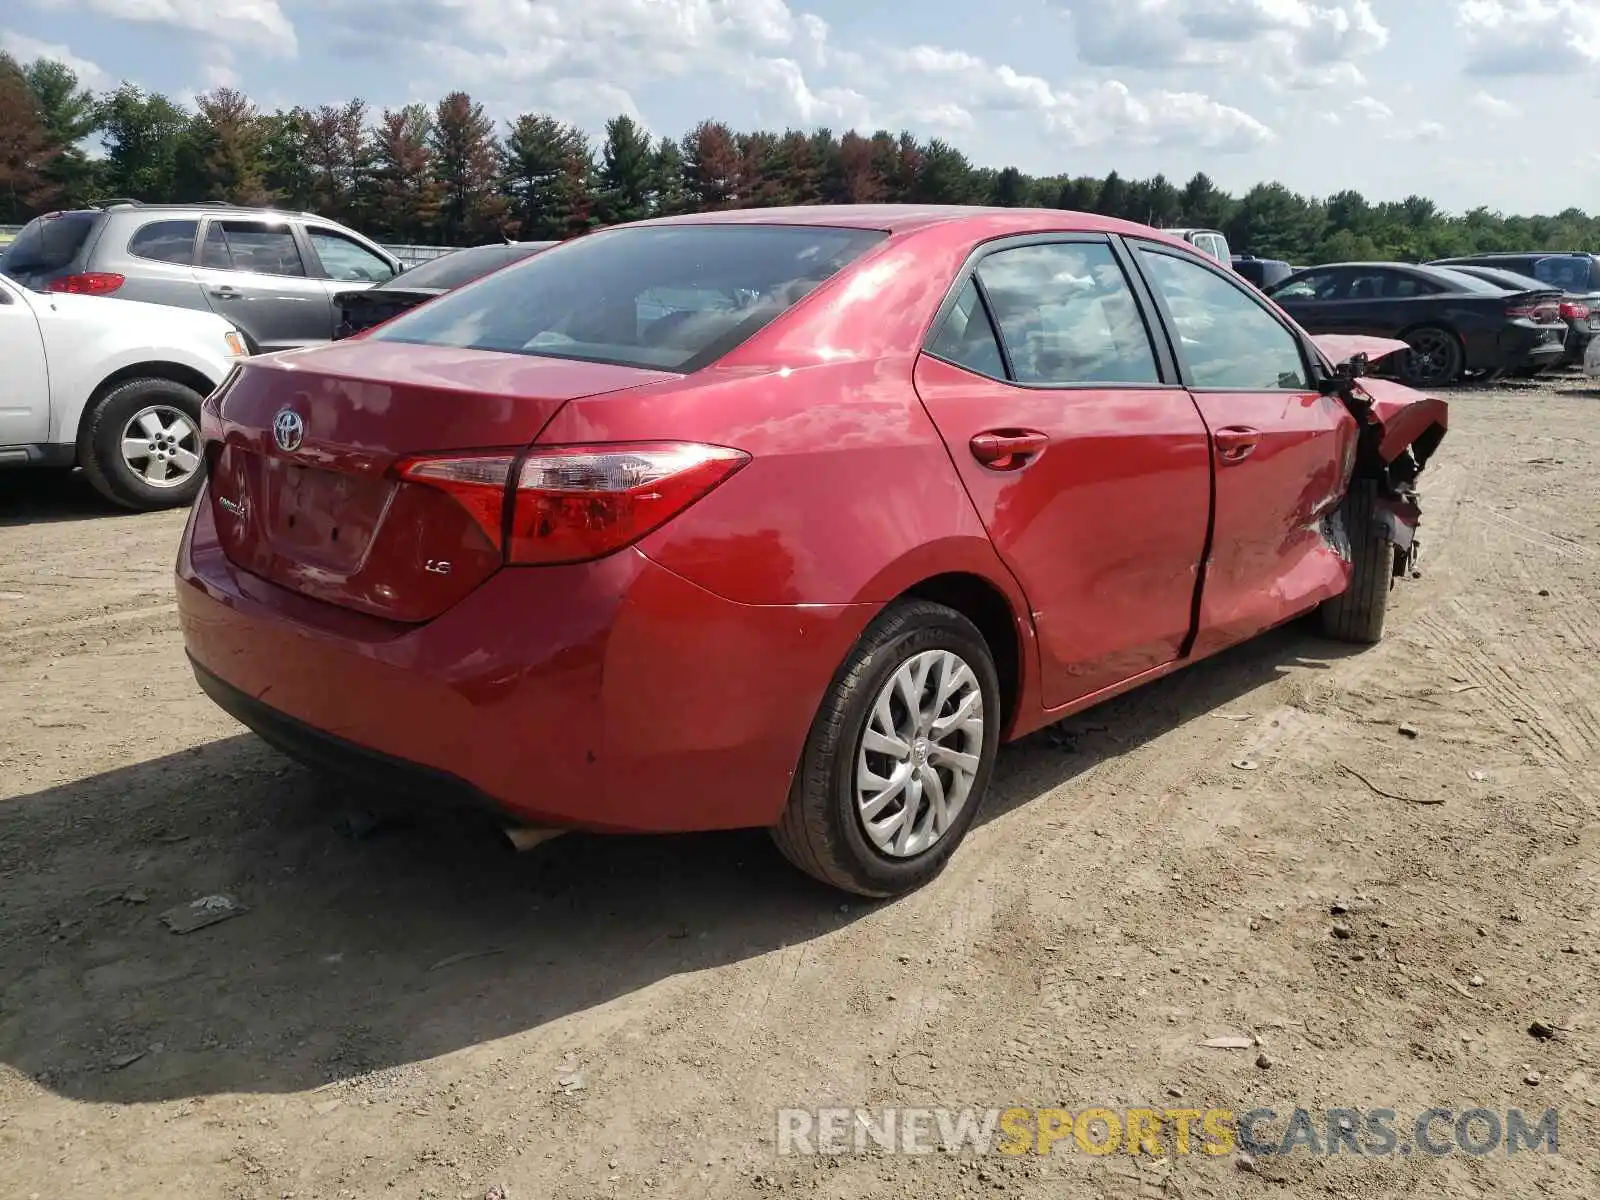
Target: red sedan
[(782, 518)]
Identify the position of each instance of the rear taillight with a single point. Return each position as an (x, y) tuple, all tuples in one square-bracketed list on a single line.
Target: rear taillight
[(575, 503), (1572, 311), (92, 283)]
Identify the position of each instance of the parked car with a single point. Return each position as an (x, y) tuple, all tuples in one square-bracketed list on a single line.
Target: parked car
[(1207, 241), (364, 308), (1454, 324), (884, 487), (272, 274), (1263, 272), (1591, 360), (1576, 273), (1583, 322), (112, 388)]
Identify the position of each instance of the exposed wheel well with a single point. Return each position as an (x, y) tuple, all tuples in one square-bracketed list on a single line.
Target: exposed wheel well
[(986, 607), (176, 372)]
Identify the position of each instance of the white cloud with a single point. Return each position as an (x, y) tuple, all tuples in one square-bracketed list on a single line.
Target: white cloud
[(26, 49), (1372, 108), (1298, 42), (1085, 115), (1530, 37), (260, 24), (785, 61), (1494, 106)]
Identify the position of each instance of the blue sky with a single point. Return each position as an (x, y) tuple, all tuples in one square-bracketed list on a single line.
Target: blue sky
[(1470, 102)]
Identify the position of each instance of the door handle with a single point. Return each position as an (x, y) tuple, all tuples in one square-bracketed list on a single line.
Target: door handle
[(226, 293), (1236, 442), (1008, 449)]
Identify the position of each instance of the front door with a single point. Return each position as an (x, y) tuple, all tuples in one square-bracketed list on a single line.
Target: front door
[(1282, 450), (254, 275), (1089, 468)]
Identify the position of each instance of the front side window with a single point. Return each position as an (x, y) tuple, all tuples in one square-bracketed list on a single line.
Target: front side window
[(967, 337), (166, 241), (669, 297), (347, 261), (1067, 315), (1228, 339), (253, 246)]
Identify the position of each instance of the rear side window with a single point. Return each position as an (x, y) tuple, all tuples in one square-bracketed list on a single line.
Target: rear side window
[(967, 337), (252, 246), (48, 243), (166, 241), (1067, 315), (670, 297)]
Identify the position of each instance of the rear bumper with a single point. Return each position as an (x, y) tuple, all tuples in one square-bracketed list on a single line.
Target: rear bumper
[(612, 695)]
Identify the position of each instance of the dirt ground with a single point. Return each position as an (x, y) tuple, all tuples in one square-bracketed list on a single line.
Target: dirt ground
[(417, 1012)]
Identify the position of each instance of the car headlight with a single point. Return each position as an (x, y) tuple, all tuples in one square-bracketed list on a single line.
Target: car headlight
[(236, 346)]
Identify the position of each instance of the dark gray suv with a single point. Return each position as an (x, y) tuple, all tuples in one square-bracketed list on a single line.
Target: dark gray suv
[(273, 274)]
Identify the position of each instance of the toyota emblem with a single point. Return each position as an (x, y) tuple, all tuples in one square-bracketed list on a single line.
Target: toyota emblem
[(287, 429)]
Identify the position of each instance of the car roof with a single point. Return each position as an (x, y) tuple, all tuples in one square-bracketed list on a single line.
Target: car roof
[(906, 218)]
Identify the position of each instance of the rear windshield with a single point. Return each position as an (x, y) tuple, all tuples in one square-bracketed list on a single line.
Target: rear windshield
[(1463, 282), (669, 297), (1571, 272), (48, 243), (463, 266)]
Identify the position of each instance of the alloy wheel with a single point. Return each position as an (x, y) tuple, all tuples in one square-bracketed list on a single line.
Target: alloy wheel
[(919, 753), (161, 445)]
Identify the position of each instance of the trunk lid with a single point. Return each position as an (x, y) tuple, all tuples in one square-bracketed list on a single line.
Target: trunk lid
[(302, 472), (364, 309)]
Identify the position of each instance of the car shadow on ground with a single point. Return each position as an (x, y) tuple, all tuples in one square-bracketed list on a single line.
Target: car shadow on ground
[(369, 954), (39, 497)]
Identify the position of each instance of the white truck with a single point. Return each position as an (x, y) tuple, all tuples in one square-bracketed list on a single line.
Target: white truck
[(112, 386)]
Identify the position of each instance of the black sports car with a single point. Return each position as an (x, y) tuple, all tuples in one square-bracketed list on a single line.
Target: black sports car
[(367, 307), (1455, 324)]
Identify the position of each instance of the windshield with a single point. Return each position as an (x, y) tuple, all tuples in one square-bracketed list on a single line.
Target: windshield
[(47, 244), (669, 297), (459, 267)]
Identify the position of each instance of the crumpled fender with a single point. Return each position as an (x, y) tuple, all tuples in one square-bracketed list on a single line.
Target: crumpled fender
[(1407, 418), (1342, 347)]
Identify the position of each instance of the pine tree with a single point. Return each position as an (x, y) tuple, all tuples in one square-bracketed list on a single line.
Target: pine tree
[(26, 150), (545, 173), (712, 167), (68, 113), (627, 172), (405, 200), (471, 211)]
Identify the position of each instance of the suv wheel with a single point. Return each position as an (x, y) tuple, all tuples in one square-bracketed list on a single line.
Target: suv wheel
[(141, 446)]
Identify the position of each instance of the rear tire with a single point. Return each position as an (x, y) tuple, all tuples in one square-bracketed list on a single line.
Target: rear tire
[(1436, 357), (164, 418), (1358, 613), (830, 828)]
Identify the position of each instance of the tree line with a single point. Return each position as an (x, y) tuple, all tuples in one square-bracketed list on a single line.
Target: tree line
[(448, 174)]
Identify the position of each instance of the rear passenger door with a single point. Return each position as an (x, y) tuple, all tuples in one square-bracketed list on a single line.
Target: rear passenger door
[(1282, 451), (254, 273), (1086, 460)]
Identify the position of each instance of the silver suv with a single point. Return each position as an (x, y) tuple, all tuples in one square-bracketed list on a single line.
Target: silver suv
[(273, 274)]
